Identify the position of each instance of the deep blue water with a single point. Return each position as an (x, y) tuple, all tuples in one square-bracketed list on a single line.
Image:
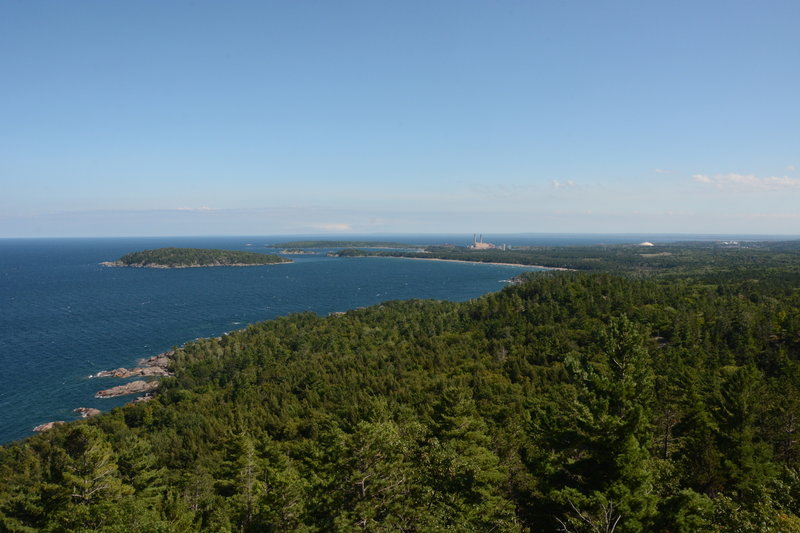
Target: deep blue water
[(64, 317)]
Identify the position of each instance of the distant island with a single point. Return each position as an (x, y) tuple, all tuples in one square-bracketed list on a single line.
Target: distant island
[(345, 244), (296, 251), (193, 257)]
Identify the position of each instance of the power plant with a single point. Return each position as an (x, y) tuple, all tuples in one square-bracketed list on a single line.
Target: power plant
[(478, 244)]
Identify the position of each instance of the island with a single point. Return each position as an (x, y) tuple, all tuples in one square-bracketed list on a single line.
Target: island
[(296, 251), (193, 257)]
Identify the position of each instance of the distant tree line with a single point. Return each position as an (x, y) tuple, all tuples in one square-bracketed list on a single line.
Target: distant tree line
[(183, 257), (344, 244), (680, 258)]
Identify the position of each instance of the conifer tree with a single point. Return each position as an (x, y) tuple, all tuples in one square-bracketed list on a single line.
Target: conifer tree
[(608, 485), (465, 475), (91, 473)]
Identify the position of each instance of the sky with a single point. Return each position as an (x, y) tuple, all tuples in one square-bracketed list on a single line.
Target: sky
[(146, 117)]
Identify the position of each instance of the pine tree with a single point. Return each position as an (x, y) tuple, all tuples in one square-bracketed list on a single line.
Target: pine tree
[(608, 483), (747, 463), (466, 478), (91, 474)]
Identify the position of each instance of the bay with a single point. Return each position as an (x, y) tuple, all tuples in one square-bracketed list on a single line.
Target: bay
[(64, 317)]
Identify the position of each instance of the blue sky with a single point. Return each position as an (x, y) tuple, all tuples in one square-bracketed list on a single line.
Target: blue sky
[(208, 117)]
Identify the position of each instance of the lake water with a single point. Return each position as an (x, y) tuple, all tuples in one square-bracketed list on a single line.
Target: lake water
[(64, 317)]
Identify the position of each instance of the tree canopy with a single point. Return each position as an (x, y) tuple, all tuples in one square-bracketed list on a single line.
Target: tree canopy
[(570, 401), (195, 257)]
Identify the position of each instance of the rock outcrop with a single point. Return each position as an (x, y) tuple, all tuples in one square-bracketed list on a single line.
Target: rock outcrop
[(145, 398), (48, 426), (86, 412), (151, 367), (133, 372), (161, 360), (134, 387)]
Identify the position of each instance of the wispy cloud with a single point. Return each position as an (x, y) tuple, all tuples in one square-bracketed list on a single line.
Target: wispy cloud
[(791, 168), (562, 184), (201, 208), (663, 171), (747, 182)]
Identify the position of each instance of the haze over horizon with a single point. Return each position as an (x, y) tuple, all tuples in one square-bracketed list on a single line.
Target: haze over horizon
[(356, 117)]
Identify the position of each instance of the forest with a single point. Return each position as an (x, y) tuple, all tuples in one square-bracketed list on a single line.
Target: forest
[(679, 257), (660, 399), (195, 257), (344, 244)]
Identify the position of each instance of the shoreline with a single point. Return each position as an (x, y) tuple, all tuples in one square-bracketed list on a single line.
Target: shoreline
[(542, 267), (114, 264)]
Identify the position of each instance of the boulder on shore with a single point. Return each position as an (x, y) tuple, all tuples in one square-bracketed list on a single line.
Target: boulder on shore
[(86, 412), (48, 426)]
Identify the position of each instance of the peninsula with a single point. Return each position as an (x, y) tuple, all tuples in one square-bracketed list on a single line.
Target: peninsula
[(346, 244), (193, 257)]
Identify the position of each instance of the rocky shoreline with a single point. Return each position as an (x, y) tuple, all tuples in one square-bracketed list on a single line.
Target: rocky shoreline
[(152, 367), (86, 412), (48, 426), (134, 387), (155, 366)]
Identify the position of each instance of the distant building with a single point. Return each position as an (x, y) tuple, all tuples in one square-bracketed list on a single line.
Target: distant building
[(646, 243), (478, 244)]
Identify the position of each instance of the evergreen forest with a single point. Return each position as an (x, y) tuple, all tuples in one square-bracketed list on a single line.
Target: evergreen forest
[(661, 399), (195, 257)]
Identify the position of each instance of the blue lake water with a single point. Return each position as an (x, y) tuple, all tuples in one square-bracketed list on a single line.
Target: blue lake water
[(64, 317)]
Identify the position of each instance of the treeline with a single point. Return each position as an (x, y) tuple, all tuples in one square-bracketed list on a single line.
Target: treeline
[(681, 258), (183, 257), (570, 402), (344, 244)]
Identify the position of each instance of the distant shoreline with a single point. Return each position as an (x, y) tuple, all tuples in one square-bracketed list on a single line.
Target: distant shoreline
[(562, 269), (117, 264)]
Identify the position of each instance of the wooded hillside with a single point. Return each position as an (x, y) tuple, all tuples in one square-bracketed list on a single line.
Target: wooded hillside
[(569, 402)]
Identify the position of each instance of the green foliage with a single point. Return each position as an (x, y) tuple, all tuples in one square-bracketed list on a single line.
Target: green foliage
[(196, 257), (570, 401), (676, 258), (344, 244)]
